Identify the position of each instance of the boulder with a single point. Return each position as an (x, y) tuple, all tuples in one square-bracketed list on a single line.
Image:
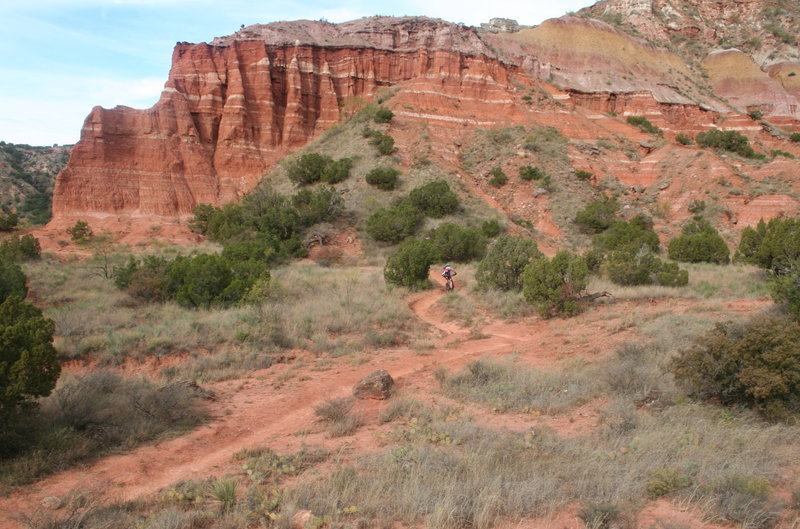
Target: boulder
[(301, 519), (376, 385)]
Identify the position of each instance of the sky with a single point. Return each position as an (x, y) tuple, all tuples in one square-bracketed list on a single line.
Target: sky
[(60, 58)]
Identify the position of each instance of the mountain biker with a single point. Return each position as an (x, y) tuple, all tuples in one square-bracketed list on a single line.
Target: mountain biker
[(448, 273)]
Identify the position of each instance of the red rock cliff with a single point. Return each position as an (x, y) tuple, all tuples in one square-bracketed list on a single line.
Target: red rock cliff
[(232, 108)]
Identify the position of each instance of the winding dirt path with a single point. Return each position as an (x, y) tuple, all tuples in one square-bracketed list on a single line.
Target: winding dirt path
[(249, 412), (270, 407)]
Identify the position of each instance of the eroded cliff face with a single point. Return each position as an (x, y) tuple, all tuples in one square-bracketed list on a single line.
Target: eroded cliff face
[(233, 108), (739, 45)]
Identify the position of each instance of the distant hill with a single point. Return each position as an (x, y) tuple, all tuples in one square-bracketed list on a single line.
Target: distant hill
[(27, 176)]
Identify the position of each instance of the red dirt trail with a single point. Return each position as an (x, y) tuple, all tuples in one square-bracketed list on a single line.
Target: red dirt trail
[(248, 412), (261, 409)]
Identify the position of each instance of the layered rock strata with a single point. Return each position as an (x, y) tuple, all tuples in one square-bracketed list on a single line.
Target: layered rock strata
[(232, 108)]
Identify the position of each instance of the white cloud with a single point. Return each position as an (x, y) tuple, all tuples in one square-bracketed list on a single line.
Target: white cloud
[(133, 93), (52, 110)]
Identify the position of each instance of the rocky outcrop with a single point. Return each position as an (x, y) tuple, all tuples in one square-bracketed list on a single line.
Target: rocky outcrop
[(764, 28), (736, 77), (232, 108), (377, 385), (27, 175)]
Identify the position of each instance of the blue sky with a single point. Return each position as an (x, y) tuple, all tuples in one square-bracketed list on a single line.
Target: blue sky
[(59, 58)]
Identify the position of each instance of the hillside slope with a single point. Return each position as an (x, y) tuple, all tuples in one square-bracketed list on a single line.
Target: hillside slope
[(232, 109), (27, 176)]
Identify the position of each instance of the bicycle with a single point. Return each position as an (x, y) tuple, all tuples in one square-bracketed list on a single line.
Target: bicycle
[(449, 285)]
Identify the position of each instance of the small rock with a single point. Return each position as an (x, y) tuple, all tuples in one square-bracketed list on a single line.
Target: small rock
[(301, 519), (376, 385), (663, 185), (51, 502)]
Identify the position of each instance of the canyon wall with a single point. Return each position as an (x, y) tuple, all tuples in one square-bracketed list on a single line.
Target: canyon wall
[(231, 109)]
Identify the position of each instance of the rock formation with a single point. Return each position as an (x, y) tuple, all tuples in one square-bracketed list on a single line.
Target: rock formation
[(232, 108), (376, 385)]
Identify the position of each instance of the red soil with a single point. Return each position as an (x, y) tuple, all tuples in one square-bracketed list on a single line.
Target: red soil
[(273, 408)]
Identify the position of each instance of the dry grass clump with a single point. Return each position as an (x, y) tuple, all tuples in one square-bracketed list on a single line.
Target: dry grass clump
[(89, 415), (327, 310), (465, 475), (263, 465), (341, 310), (706, 281), (510, 305), (506, 386), (338, 414)]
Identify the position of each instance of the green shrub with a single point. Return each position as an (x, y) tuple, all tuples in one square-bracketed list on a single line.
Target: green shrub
[(774, 246), (529, 172), (201, 281), (600, 515), (750, 242), (383, 115), (699, 242), (555, 285), (756, 364), (308, 168), (684, 139), (434, 199), (337, 171), (666, 481), (634, 234), (631, 267), (144, 280), (314, 206), (314, 167), (597, 215), (777, 152), (267, 225), (785, 288), (728, 140), (580, 174), (202, 215), (80, 232), (499, 178), (643, 124), (385, 178), (12, 280), (208, 280), (29, 364), (594, 259), (458, 244), (756, 115), (505, 262), (382, 142), (491, 228), (8, 221), (671, 275), (16, 248), (394, 224), (795, 137), (696, 206), (410, 264)]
